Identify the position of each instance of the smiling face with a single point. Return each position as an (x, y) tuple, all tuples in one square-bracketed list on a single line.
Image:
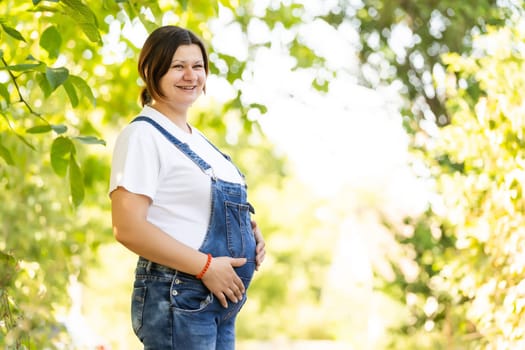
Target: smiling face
[(184, 81), (173, 64)]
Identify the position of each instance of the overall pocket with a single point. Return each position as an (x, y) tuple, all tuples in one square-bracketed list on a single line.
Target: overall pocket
[(239, 234), (189, 295), (137, 308)]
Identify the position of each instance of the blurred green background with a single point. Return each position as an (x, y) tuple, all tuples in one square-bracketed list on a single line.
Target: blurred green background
[(382, 142)]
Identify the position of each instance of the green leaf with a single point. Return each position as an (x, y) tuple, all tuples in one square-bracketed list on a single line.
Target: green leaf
[(51, 41), (5, 94), (84, 17), (90, 140), (44, 84), (81, 11), (91, 32), (304, 55), (262, 108), (24, 67), (83, 88), (13, 32), (9, 267), (32, 58), (39, 129), (61, 150), (6, 155), (320, 85), (71, 93), (227, 3), (76, 181), (59, 128), (184, 4), (36, 2), (56, 76), (149, 25)]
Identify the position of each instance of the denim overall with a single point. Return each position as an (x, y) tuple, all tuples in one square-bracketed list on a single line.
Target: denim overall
[(174, 310)]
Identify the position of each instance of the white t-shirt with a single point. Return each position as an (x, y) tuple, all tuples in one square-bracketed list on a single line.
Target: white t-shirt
[(146, 162)]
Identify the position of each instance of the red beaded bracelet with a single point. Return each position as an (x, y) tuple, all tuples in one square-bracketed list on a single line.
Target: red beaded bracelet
[(205, 268)]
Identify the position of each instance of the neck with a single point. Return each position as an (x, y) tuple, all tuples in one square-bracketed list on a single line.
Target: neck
[(179, 117)]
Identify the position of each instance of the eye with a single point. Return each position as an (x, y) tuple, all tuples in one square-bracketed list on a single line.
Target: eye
[(177, 66), (198, 66)]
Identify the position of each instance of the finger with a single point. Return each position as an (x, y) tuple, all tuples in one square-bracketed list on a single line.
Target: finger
[(258, 261), (259, 257), (240, 286), (235, 295), (260, 246), (236, 262), (256, 231), (222, 300), (239, 294), (231, 295)]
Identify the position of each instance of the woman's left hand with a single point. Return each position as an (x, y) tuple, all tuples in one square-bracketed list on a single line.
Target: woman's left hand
[(260, 251)]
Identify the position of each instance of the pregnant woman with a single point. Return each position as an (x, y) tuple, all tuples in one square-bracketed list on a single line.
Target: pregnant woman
[(181, 205)]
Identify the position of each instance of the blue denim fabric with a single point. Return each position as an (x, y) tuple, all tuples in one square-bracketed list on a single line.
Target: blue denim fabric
[(173, 310)]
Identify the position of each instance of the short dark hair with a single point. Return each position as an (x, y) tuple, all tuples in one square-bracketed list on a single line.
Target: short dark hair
[(157, 53)]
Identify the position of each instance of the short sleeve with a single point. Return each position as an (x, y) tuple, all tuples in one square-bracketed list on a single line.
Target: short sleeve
[(135, 164)]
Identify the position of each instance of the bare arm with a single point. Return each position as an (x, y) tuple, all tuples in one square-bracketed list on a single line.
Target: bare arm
[(135, 232)]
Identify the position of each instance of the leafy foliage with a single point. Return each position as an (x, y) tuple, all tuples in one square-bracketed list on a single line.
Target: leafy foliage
[(61, 94), (411, 37), (469, 245), (487, 197)]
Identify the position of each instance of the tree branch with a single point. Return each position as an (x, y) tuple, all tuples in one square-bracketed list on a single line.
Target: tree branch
[(17, 87)]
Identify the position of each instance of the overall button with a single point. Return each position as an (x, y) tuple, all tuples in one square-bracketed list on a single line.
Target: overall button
[(177, 281), (174, 293)]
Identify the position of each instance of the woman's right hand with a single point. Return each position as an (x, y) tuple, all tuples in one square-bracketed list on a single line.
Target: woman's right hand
[(222, 280)]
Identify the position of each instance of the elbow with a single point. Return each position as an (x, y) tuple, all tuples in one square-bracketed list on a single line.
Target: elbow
[(120, 235)]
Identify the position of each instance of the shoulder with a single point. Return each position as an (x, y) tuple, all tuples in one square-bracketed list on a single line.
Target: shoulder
[(138, 128), (137, 131)]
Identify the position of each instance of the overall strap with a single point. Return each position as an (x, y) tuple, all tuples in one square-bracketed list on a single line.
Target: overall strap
[(228, 158), (183, 147)]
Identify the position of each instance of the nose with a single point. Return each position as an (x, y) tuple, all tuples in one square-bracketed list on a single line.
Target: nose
[(189, 74)]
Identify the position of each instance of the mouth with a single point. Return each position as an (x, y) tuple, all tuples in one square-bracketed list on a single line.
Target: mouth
[(187, 88)]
